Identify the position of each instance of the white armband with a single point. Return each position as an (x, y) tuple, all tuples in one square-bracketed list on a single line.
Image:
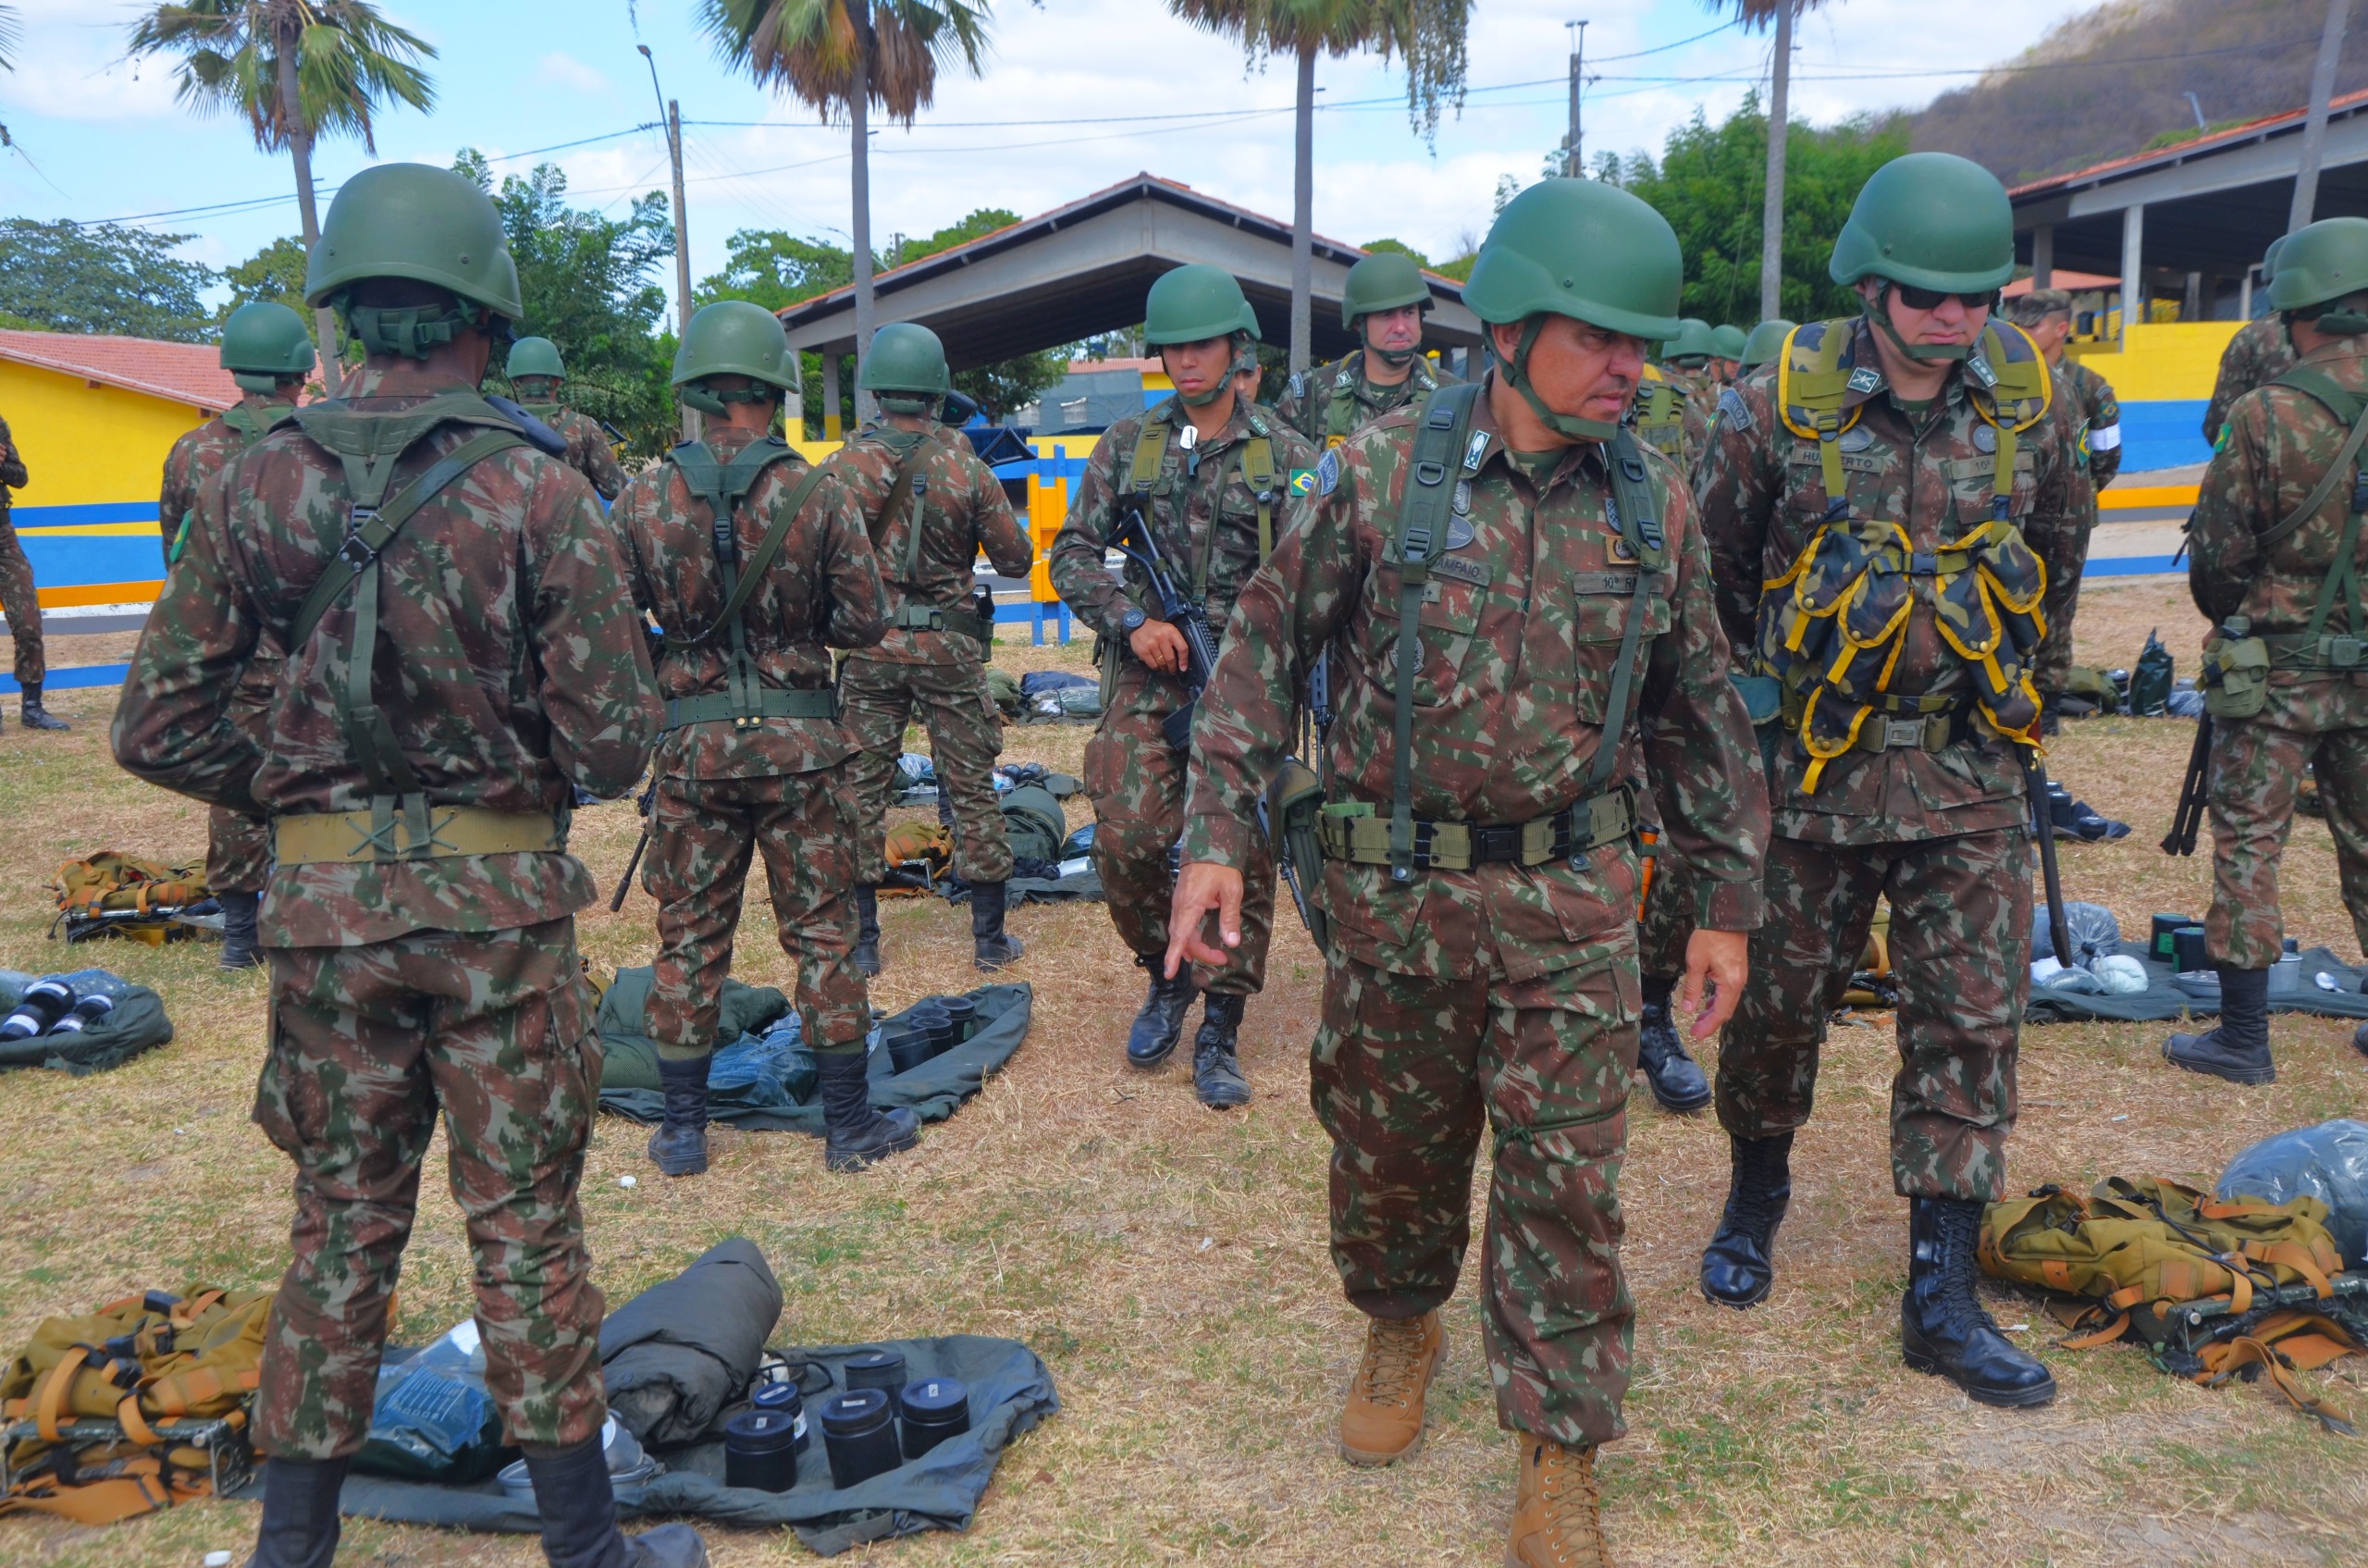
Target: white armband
[(2105, 437)]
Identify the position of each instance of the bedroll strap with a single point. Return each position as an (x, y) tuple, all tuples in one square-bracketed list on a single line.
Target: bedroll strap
[(1439, 438), (100, 1503)]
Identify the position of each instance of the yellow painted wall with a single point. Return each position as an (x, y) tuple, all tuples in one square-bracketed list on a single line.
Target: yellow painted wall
[(87, 445), (2164, 361)]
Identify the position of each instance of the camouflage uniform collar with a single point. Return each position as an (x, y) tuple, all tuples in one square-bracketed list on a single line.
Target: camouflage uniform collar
[(891, 438), (2337, 352), (264, 402), (1372, 391), (404, 381), (726, 443), (1483, 428), (1867, 381), (1244, 422)]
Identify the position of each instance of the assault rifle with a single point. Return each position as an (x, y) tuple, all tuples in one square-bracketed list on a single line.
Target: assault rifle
[(1133, 540), (2193, 792), (2043, 824), (624, 883)]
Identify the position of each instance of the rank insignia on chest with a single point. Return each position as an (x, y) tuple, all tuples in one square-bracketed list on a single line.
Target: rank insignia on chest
[(1302, 481), (1473, 450), (1978, 368), (1857, 439), (1866, 378), (1462, 503), (1458, 531), (1984, 438)]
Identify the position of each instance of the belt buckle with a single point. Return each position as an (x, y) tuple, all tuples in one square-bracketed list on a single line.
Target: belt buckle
[(1496, 843), (1902, 732), (2344, 652)]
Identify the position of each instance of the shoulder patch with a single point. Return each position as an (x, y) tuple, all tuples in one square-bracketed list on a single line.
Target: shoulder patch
[(1866, 378), (1733, 410), (1297, 385), (1302, 481), (1326, 478)]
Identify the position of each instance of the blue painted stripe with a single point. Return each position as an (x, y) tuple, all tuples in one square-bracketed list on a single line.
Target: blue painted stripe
[(2165, 434), (94, 511), (73, 675), (2133, 566), (1047, 470), (71, 562)]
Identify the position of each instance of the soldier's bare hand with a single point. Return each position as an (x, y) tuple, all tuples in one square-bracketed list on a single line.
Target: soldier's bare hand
[(1716, 963), (1202, 889), (1158, 644)]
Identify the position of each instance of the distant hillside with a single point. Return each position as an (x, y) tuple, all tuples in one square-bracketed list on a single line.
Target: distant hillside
[(2115, 80)]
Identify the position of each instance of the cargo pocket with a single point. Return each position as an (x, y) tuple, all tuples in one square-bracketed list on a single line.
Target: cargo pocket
[(1601, 628), (1450, 617), (2235, 678)]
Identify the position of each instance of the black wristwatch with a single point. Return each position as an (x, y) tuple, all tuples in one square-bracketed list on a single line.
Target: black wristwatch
[(1131, 621)]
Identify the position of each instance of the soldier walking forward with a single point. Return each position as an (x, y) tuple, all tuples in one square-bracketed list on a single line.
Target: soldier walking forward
[(458, 657), (269, 352), (1383, 302), (1892, 513), (2278, 563), (756, 565), (1207, 475), (929, 504), (1518, 605)]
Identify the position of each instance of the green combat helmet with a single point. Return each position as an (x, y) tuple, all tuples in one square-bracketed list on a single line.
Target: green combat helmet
[(906, 369), (1691, 344), (1581, 248), (536, 357), (733, 338), (1384, 280), (262, 343), (1929, 220), (1765, 341), (2269, 258), (2319, 263), (1193, 303), (429, 224), (1727, 342)]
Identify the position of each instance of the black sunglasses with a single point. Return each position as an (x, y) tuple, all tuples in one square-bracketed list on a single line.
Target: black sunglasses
[(1929, 299)]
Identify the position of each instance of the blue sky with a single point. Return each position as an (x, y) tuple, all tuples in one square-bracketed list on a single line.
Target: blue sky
[(1057, 113)]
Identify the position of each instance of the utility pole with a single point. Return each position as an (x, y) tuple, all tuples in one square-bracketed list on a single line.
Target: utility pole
[(670, 120), (1574, 164), (2314, 127), (1771, 212)]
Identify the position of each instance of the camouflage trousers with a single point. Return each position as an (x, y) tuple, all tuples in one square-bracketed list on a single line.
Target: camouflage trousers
[(703, 836), (238, 851), (17, 597), (367, 1044), (965, 738), (2256, 773), (1667, 923), (1960, 954), (1136, 782), (1404, 1070)]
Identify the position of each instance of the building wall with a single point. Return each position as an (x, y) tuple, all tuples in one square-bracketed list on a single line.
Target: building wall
[(2163, 376), (96, 457)]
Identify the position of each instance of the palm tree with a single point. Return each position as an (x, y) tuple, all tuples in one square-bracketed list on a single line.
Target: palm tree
[(851, 54), (1428, 33), (12, 34), (1758, 14), (297, 70)]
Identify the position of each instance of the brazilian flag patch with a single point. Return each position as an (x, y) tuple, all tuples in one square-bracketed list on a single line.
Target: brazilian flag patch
[(1302, 481)]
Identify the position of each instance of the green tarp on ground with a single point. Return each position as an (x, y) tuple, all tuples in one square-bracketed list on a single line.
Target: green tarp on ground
[(2164, 1000), (137, 1024)]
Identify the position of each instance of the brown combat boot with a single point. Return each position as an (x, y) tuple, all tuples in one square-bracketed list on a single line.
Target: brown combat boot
[(1558, 1513), (1382, 1422)]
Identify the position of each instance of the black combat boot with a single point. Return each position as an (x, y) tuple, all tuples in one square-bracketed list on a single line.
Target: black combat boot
[(1217, 1074), (854, 1134), (33, 716), (2238, 1049), (1677, 1082), (1943, 1328), (992, 948), (1739, 1267), (238, 950), (679, 1147), (867, 931), (1160, 1024), (2360, 1040), (299, 1514), (579, 1509)]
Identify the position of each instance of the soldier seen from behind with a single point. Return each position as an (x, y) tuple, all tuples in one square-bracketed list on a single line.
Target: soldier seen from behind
[(929, 504), (269, 352), (2258, 355), (1202, 479), (458, 660), (2277, 559), (1518, 607), (537, 371), (1893, 511), (756, 565), (1383, 302)]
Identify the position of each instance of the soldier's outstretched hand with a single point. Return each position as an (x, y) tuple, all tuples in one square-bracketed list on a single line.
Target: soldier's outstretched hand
[(1716, 959), (1202, 889)]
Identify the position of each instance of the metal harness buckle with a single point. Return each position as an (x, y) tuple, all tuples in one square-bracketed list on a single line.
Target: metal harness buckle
[(353, 550), (1902, 732), (1494, 843)]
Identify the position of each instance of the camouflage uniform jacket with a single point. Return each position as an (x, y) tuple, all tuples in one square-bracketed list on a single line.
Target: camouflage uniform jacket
[(201, 454), (2096, 417), (589, 451), (1202, 515), (1513, 695), (1761, 494), (2260, 353), (509, 669), (1308, 396), (962, 506), (12, 470), (822, 592)]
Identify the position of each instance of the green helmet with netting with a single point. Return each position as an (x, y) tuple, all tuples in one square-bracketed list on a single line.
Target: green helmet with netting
[(1691, 345), (425, 224), (1384, 280), (1726, 342), (1767, 340), (733, 338), (1928, 221), (906, 369), (536, 356), (1581, 248), (2320, 263), (262, 342)]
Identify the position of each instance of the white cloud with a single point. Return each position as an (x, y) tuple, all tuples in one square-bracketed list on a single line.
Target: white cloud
[(566, 71)]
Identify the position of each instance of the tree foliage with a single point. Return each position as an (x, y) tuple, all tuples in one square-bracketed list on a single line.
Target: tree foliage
[(274, 275), (1709, 183), (103, 277), (350, 61), (810, 48), (1428, 35)]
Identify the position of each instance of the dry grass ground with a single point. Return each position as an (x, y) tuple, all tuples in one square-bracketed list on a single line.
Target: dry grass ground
[(1170, 1264)]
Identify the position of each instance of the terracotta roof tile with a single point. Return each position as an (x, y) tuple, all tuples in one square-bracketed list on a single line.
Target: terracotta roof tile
[(182, 373)]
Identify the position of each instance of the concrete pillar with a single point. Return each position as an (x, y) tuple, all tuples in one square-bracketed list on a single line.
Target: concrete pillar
[(2245, 295), (2043, 256), (831, 431), (2191, 298), (2133, 267)]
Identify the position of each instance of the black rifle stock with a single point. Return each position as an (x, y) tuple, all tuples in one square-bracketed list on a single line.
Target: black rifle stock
[(2193, 794), (2043, 824), (624, 883)]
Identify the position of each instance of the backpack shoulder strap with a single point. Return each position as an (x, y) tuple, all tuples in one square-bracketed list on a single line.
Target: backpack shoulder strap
[(1811, 381), (2347, 406), (2012, 374), (908, 480), (1438, 457), (1151, 456), (1637, 510), (1258, 468)]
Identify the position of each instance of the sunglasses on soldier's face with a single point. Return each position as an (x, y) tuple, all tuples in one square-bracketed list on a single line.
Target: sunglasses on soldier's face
[(1929, 299)]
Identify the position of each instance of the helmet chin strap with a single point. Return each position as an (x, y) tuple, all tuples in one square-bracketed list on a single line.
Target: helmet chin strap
[(415, 332), (1879, 311), (1243, 359), (1397, 359), (895, 404), (1517, 378), (711, 400)]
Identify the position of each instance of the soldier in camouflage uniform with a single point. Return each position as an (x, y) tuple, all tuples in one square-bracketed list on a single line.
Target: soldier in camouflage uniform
[(1666, 417), (1558, 645), (457, 658), (19, 597), (2258, 355), (535, 369), (1727, 344), (757, 566), (1383, 302), (2278, 561), (930, 505), (1211, 477), (2045, 317), (1896, 536), (269, 352)]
